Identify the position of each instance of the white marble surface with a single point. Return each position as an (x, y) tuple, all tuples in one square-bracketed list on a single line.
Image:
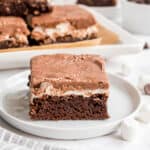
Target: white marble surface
[(140, 65)]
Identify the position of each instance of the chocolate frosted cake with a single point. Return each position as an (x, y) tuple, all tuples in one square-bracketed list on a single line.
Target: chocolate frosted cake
[(13, 32), (68, 87), (64, 24)]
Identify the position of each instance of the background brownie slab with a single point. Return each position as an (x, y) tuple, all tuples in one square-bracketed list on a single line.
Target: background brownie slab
[(68, 87), (36, 7), (13, 32), (98, 2), (23, 7), (61, 26)]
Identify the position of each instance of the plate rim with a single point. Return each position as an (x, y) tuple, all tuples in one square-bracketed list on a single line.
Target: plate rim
[(4, 113)]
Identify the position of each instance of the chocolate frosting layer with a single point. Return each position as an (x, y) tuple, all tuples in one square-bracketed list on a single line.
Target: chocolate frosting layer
[(78, 17), (69, 72), (10, 25)]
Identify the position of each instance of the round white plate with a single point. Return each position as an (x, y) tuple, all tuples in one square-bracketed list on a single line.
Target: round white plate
[(124, 102)]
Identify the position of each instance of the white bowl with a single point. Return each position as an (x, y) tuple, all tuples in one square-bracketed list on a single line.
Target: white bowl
[(136, 17)]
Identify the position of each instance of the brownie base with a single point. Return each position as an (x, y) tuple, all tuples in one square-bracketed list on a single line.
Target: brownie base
[(13, 8), (10, 44), (36, 8), (65, 39), (23, 7), (71, 107)]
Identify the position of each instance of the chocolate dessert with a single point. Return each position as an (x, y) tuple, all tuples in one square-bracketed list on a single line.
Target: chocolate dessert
[(97, 3), (147, 89), (141, 1), (64, 24), (13, 32), (23, 7), (68, 87)]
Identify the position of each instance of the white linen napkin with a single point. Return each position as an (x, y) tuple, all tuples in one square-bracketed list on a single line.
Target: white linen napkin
[(11, 141)]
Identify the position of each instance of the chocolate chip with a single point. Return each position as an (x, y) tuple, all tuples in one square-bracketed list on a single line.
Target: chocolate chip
[(147, 89), (146, 46)]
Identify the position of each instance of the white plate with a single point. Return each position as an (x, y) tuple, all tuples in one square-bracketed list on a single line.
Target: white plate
[(124, 102), (128, 45)]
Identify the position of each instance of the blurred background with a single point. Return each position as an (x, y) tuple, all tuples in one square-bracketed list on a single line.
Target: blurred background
[(121, 12)]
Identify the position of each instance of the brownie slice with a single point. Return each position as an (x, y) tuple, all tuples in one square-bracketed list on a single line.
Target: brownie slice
[(97, 3), (61, 26), (23, 7), (141, 1), (68, 87), (13, 32)]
